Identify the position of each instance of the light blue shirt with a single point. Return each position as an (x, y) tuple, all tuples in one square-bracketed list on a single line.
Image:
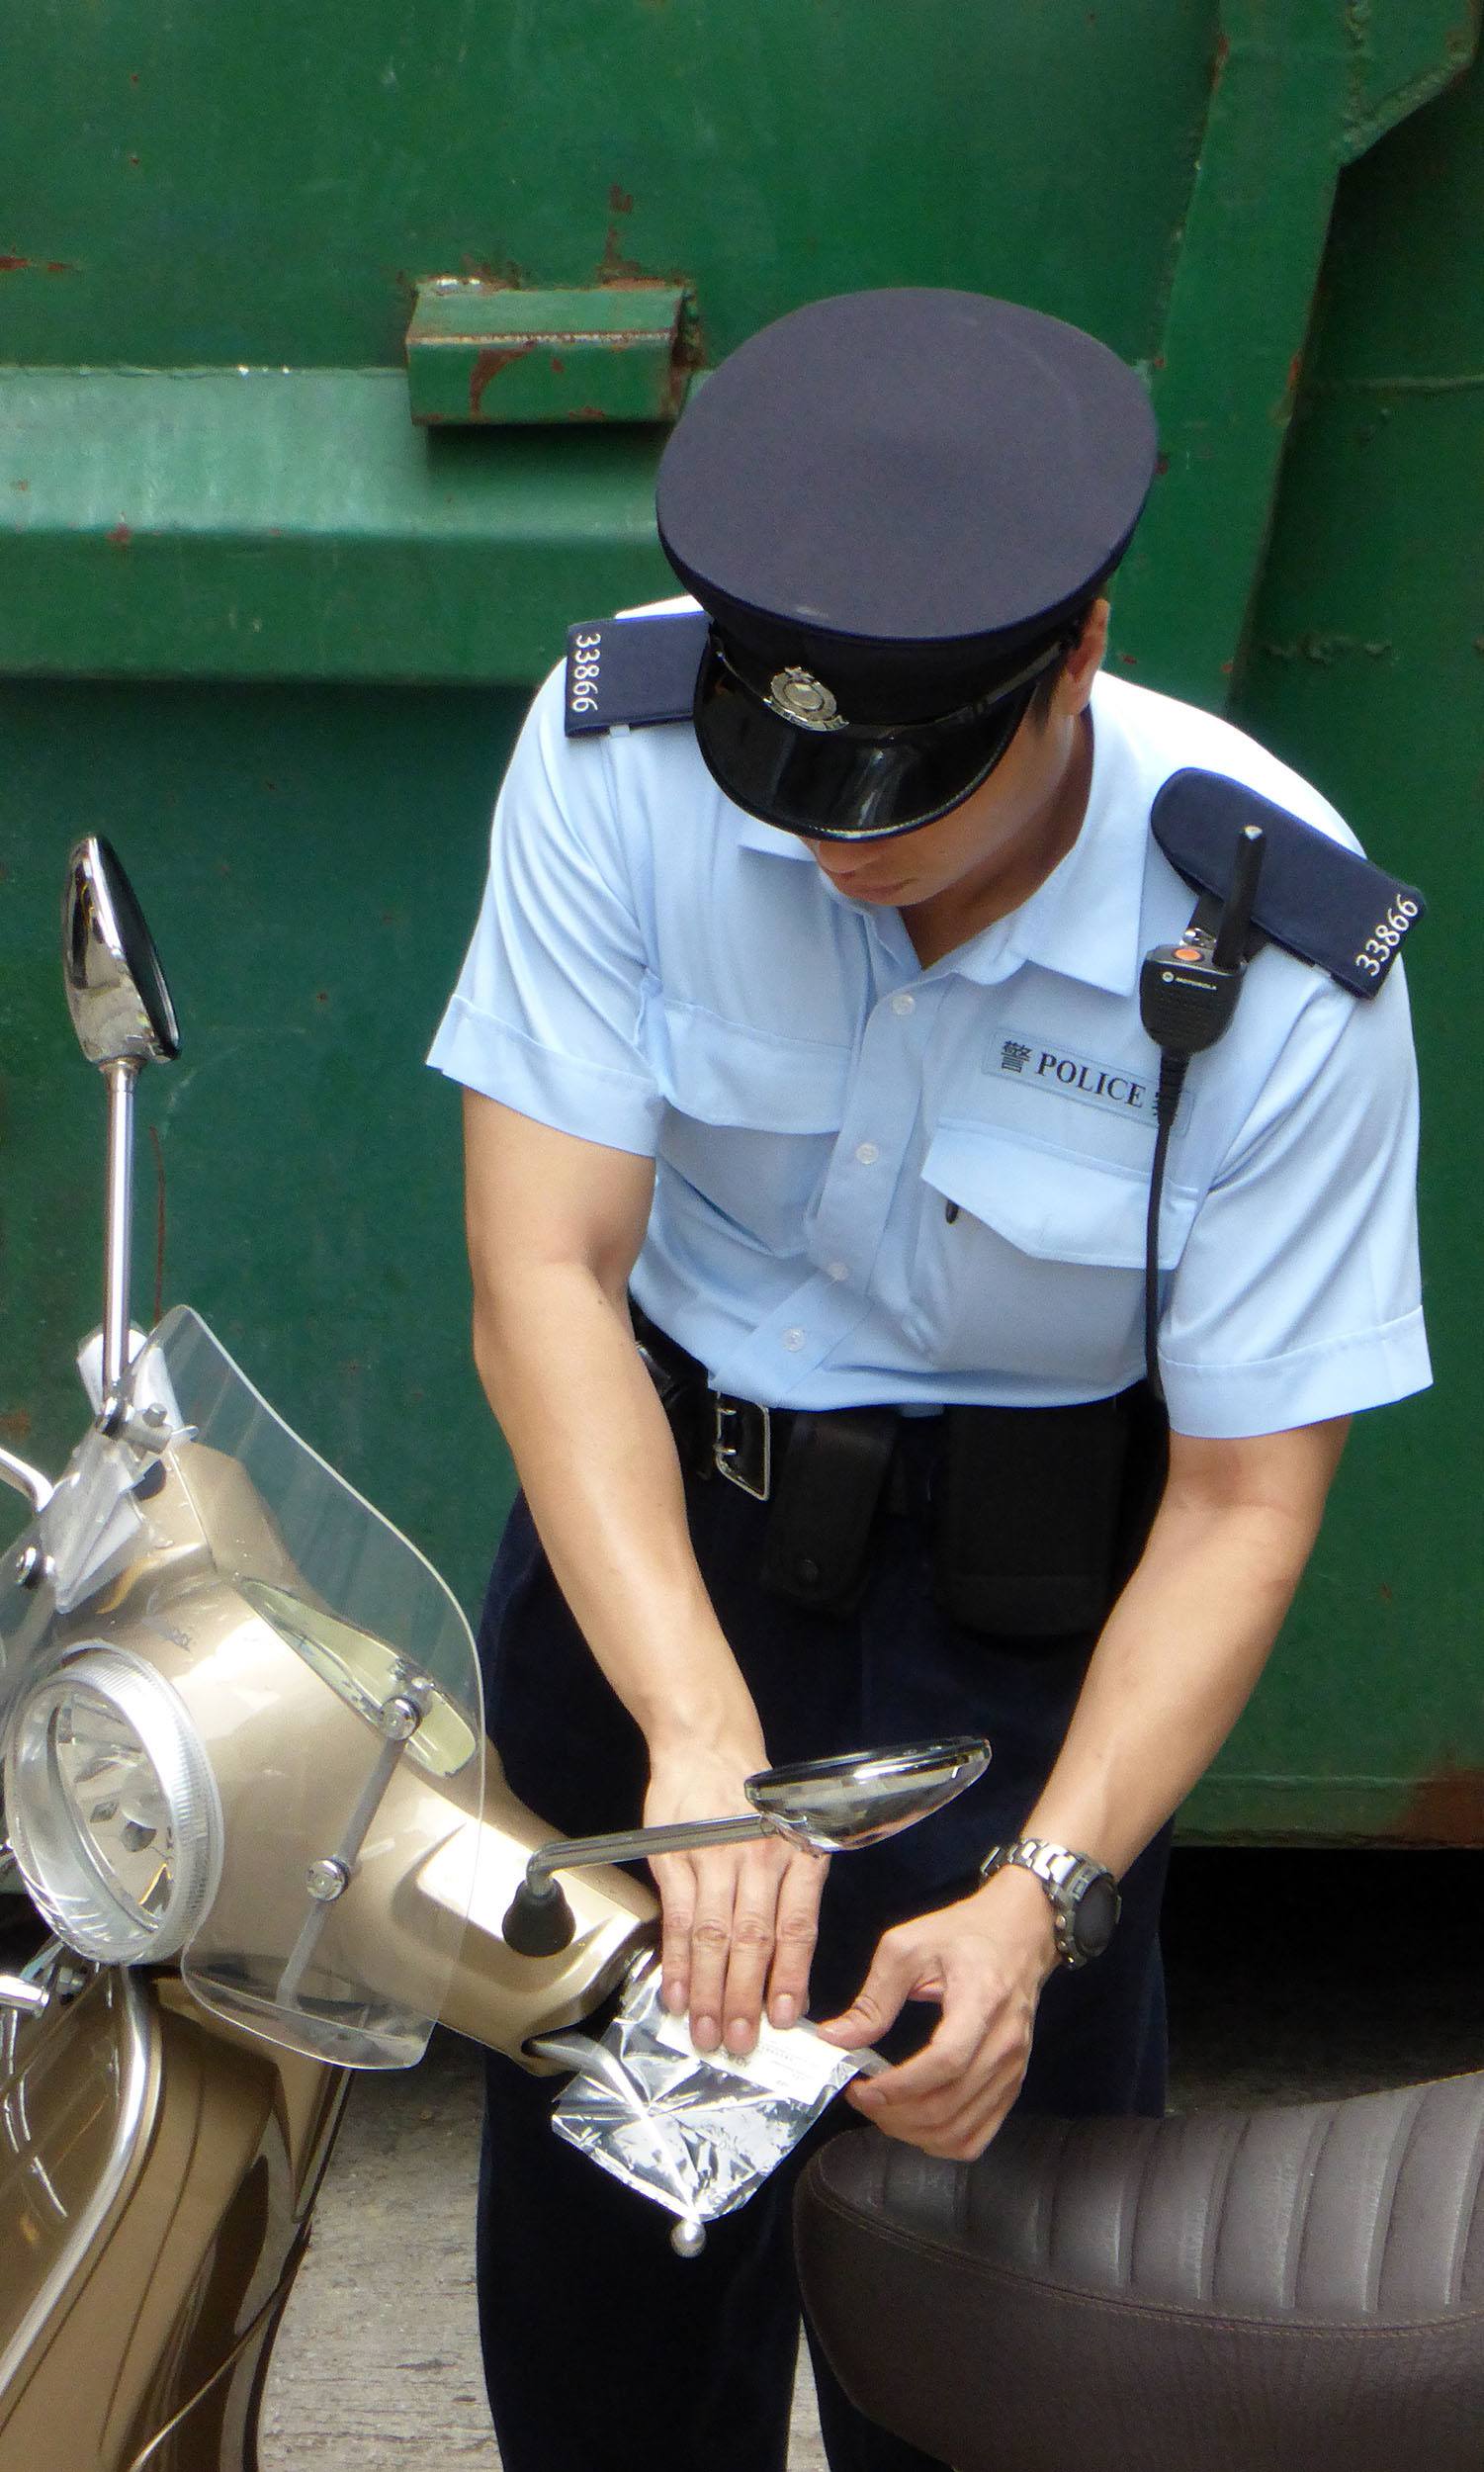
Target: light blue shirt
[(876, 1181)]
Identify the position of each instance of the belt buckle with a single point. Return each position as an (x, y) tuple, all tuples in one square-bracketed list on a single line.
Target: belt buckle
[(750, 1469)]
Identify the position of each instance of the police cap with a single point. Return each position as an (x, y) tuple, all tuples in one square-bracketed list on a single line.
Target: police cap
[(895, 507)]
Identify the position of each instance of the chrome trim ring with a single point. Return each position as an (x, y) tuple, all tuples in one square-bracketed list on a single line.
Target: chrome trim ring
[(137, 2078), (86, 1898)]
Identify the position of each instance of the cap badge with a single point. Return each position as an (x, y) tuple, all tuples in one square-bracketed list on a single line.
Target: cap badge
[(801, 700)]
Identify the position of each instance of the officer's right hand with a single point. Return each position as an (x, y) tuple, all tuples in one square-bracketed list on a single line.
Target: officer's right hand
[(740, 1921)]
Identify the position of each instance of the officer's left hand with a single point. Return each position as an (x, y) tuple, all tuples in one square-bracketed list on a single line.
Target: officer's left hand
[(984, 1960)]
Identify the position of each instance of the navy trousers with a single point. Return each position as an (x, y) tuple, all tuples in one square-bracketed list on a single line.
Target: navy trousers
[(601, 2347)]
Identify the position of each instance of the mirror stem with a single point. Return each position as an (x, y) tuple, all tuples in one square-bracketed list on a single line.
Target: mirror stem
[(539, 1922), (635, 1845), (121, 1079)]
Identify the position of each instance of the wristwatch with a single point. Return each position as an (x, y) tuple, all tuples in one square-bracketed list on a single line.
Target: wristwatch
[(1084, 1900)]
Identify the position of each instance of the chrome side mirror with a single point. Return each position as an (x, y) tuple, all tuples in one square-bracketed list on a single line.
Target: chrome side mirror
[(838, 1805), (116, 989), (124, 1018), (831, 1805)]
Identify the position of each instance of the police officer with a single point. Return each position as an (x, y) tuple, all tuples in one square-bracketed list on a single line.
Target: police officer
[(802, 1022)]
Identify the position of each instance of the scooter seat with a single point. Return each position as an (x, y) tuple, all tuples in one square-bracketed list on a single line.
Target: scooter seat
[(1291, 2289)]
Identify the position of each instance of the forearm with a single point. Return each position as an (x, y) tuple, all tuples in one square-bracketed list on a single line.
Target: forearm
[(597, 1462), (1172, 1668), (1182, 1650), (554, 1227)]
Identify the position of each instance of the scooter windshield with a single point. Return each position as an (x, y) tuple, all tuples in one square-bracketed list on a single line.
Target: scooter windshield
[(332, 1684)]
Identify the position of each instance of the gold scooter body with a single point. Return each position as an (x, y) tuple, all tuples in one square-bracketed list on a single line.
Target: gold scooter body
[(244, 1761), (159, 2156), (156, 2180), (159, 2170)]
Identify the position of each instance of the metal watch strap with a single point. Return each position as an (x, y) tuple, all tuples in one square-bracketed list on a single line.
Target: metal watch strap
[(1064, 1875)]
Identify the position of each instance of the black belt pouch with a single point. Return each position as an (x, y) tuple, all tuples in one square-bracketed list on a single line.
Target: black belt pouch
[(824, 1508), (1042, 1513)]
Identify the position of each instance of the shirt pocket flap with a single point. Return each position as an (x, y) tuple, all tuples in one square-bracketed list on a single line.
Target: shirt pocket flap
[(1057, 1205), (728, 1073)]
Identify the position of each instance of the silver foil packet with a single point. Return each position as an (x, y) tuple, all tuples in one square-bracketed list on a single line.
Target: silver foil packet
[(697, 2132)]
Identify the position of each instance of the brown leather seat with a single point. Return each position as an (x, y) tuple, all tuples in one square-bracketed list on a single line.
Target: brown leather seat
[(1283, 2290)]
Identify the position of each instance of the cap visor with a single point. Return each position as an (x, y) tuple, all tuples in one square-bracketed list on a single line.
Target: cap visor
[(831, 786)]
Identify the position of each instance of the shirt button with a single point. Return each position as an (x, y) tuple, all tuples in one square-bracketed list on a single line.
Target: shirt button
[(903, 1004), (837, 1269), (794, 1340), (867, 1153)]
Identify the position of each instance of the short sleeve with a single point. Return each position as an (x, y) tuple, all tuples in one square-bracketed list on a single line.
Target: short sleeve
[(1298, 1295), (546, 1013)]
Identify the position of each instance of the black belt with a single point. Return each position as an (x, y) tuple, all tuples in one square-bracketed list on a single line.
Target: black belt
[(1037, 1513), (716, 1433)]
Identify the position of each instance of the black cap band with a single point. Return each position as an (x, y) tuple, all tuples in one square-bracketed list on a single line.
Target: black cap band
[(1023, 674), (858, 783)]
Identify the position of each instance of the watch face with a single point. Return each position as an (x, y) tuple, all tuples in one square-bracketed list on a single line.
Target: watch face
[(1097, 1914)]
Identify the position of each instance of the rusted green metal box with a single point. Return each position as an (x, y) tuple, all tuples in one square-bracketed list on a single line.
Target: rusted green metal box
[(270, 621)]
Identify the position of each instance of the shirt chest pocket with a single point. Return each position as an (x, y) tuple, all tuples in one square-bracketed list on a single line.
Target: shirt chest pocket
[(1030, 1260), (751, 1120)]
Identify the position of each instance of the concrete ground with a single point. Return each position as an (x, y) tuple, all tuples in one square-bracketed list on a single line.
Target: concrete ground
[(1291, 1975)]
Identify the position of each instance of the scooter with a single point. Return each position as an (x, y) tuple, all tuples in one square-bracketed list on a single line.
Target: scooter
[(248, 1795)]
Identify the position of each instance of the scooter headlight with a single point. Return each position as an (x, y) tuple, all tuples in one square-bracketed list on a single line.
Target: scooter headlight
[(112, 1809)]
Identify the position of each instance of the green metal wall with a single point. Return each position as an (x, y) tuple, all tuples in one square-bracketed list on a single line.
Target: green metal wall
[(309, 860), (1364, 665), (276, 640)]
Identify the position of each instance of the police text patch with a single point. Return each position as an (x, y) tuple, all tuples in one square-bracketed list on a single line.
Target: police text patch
[(1124, 1090)]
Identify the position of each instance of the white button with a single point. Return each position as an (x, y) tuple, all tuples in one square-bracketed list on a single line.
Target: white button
[(867, 1153), (837, 1269), (794, 1339), (903, 1004)]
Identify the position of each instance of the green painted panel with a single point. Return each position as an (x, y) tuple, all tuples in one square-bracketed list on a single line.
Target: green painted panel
[(266, 184), (1301, 86), (310, 864), (1400, 53), (1179, 210), (282, 524), (1367, 668)]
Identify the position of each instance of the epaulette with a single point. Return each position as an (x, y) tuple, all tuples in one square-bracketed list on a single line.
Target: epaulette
[(626, 673), (1315, 898)]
